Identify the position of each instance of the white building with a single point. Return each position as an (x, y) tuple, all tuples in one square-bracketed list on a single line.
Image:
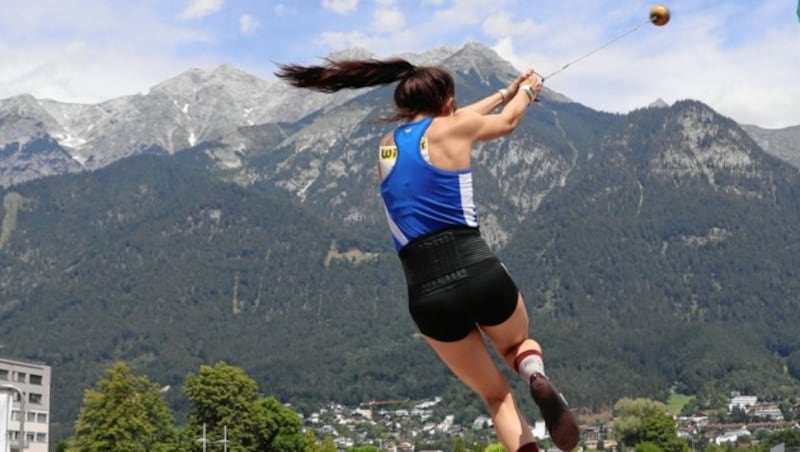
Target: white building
[(744, 403), (539, 430), (771, 412), (33, 380), (482, 422), (366, 414), (731, 436)]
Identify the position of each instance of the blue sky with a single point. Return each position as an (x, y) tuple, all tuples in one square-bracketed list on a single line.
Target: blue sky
[(741, 57)]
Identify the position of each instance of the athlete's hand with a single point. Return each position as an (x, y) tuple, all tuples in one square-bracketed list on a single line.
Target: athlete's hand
[(533, 80), (538, 83), (513, 87), (532, 83)]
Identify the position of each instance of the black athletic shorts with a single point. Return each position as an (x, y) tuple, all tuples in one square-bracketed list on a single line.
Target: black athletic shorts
[(455, 283)]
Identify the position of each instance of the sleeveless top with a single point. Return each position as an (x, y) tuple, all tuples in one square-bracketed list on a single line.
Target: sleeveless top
[(418, 198)]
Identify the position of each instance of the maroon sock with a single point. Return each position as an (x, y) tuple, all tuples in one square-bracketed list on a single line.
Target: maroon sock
[(530, 447)]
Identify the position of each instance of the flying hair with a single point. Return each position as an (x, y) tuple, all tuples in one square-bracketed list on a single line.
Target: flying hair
[(424, 89), (346, 74)]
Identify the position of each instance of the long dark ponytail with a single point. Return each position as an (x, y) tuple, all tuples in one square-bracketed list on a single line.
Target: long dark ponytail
[(338, 75), (421, 89)]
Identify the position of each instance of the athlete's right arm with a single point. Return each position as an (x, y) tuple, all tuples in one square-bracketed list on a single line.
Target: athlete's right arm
[(477, 127)]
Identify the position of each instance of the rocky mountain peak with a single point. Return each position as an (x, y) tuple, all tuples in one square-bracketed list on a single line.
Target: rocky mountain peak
[(658, 103), (353, 53), (23, 117), (432, 57), (20, 103), (224, 79), (695, 143), (481, 60), (25, 106)]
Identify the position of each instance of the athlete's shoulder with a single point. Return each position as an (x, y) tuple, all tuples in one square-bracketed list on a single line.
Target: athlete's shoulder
[(458, 119), (462, 123), (387, 140), (466, 116)]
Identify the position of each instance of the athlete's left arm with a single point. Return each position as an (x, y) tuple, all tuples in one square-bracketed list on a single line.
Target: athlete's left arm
[(497, 99)]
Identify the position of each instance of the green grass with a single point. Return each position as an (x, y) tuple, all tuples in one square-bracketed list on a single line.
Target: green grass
[(677, 401)]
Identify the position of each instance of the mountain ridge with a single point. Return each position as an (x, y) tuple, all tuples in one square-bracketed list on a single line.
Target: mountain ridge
[(195, 106), (202, 105)]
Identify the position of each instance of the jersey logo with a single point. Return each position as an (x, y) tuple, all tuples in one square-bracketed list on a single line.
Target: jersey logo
[(388, 152)]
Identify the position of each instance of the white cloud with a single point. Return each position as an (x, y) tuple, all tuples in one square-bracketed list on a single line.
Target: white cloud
[(457, 17), (247, 24), (502, 25), (388, 20), (90, 51), (343, 40), (467, 12), (201, 8), (340, 6), (76, 49), (83, 73), (282, 10)]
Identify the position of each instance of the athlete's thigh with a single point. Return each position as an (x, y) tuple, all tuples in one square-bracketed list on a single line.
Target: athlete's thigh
[(512, 331), (470, 360)]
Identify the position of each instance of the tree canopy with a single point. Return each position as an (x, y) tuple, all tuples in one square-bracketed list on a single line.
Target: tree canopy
[(646, 425), (124, 412), (225, 397), (128, 412)]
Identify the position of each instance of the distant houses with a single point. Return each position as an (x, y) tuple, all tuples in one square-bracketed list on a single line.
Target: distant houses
[(750, 405), (401, 422), (758, 415), (405, 422)]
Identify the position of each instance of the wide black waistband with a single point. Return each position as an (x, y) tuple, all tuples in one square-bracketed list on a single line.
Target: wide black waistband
[(443, 256)]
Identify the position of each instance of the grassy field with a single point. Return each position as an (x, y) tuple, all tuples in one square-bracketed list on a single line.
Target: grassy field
[(677, 401)]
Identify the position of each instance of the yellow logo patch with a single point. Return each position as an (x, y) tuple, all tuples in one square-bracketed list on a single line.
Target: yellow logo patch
[(388, 152)]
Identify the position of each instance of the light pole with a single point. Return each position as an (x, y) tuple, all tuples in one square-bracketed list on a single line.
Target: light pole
[(224, 441), (203, 440), (21, 438)]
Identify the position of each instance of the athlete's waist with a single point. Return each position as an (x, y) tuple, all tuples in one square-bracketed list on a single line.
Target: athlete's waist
[(443, 254)]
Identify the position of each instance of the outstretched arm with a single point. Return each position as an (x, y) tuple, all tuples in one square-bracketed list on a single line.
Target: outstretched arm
[(499, 98), (473, 126)]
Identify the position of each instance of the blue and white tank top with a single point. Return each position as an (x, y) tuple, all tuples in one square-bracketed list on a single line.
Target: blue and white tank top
[(419, 198)]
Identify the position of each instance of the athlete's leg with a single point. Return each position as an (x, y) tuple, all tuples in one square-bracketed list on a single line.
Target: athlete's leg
[(511, 340), (471, 362)]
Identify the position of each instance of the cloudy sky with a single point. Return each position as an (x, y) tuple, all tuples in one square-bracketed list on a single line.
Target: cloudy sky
[(740, 57)]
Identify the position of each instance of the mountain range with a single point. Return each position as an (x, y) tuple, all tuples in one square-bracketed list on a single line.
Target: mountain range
[(225, 217)]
